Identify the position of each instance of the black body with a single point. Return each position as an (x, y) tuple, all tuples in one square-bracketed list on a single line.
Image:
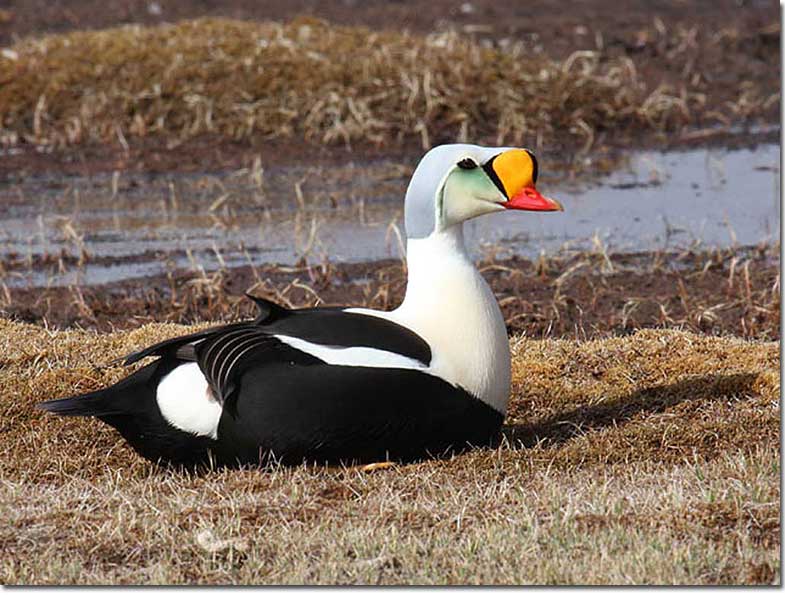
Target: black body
[(282, 404)]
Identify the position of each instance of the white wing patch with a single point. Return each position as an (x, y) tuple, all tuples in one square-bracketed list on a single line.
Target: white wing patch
[(186, 402), (366, 357)]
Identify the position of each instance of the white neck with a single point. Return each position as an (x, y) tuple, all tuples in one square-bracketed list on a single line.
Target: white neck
[(450, 305)]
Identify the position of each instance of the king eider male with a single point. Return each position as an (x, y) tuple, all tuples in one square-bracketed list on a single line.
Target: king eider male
[(345, 385)]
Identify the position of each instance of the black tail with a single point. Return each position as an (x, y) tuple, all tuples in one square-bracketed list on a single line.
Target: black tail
[(122, 398), (97, 403), (130, 407)]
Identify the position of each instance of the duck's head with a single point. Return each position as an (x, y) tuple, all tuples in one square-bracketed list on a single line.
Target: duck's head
[(453, 183)]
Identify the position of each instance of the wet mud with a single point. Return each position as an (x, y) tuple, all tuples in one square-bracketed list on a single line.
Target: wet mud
[(732, 291)]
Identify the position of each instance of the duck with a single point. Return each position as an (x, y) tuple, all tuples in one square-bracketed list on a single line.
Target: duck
[(345, 385)]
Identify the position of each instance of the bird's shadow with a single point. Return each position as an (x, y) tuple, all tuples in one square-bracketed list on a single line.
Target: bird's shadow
[(561, 427)]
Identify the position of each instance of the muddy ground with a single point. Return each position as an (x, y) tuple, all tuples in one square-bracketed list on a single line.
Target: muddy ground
[(735, 291), (557, 29)]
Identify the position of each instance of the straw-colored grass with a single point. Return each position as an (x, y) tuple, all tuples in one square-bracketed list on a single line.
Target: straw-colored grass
[(651, 458), (328, 84)]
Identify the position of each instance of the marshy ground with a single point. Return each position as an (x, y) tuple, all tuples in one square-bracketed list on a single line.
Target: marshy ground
[(151, 174)]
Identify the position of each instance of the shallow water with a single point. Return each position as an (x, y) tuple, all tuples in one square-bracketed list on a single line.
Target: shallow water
[(137, 226)]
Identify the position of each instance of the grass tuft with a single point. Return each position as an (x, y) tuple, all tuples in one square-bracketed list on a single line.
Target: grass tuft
[(333, 84), (647, 459)]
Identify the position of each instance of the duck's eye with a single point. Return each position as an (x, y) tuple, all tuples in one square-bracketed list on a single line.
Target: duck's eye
[(467, 163)]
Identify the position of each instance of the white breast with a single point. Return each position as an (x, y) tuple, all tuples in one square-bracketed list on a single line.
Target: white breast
[(450, 305)]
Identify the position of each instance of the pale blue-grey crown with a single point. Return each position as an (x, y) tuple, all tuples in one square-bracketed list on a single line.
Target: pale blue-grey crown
[(421, 195)]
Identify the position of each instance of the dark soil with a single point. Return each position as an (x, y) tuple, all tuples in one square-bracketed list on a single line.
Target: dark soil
[(558, 30), (585, 295)]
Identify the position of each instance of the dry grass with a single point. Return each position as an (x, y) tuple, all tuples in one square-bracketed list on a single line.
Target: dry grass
[(340, 84), (646, 459)]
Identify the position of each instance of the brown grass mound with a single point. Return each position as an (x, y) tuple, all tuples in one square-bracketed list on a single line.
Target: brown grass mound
[(336, 84), (646, 459)]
